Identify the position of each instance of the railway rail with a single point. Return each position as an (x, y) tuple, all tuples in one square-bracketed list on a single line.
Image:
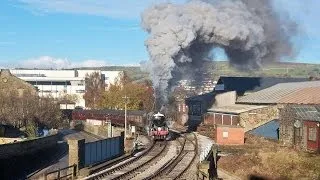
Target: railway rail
[(142, 166), (128, 168), (181, 163)]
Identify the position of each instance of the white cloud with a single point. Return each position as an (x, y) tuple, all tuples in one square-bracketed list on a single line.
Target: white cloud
[(92, 63), (118, 9), (48, 62)]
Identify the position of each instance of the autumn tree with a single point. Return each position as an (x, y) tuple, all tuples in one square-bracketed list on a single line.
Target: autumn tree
[(68, 98), (94, 89), (140, 95)]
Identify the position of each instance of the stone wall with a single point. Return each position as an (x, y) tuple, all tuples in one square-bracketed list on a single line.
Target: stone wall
[(9, 81), (255, 118), (27, 146), (101, 130), (9, 140), (286, 133)]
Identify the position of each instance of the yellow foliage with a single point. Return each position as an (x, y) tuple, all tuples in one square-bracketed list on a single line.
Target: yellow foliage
[(140, 97)]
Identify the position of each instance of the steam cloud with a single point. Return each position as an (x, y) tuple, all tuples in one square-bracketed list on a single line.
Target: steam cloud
[(181, 38)]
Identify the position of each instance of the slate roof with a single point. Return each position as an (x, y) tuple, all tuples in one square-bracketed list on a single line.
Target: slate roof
[(253, 84), (235, 109), (280, 92), (307, 112)]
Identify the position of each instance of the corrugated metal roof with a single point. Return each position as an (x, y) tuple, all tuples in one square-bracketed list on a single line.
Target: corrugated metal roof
[(307, 112), (253, 84), (274, 94), (303, 96), (235, 109)]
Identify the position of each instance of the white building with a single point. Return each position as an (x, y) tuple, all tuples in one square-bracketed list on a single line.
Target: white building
[(58, 83)]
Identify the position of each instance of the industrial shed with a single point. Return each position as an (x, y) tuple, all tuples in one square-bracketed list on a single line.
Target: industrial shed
[(284, 93), (246, 116), (228, 124), (244, 85), (300, 126), (198, 105)]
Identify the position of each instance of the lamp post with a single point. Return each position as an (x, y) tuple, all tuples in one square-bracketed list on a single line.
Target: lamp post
[(125, 115)]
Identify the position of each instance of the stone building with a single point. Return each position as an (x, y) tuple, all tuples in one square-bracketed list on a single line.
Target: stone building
[(9, 82), (300, 126), (246, 116), (257, 112), (227, 91)]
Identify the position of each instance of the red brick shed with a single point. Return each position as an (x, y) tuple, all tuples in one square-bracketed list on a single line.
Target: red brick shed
[(229, 135)]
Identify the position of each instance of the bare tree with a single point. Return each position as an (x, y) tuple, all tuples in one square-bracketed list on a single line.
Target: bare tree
[(23, 108), (94, 89)]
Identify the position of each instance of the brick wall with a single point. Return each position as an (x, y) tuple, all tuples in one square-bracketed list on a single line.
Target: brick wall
[(27, 147), (229, 135)]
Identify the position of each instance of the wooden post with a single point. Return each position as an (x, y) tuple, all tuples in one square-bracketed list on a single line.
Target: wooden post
[(59, 173), (213, 173)]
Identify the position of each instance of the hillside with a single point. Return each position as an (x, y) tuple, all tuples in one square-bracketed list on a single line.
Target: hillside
[(222, 68), (274, 69), (134, 72)]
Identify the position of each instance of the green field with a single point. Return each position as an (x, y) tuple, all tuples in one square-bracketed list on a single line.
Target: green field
[(274, 69), (222, 68)]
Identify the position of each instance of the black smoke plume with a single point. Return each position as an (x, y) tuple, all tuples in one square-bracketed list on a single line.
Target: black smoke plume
[(181, 38)]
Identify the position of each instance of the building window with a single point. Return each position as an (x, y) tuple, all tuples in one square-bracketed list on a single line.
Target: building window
[(225, 133), (312, 134), (80, 91)]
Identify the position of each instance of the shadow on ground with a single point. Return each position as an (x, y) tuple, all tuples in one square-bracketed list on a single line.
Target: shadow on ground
[(21, 166)]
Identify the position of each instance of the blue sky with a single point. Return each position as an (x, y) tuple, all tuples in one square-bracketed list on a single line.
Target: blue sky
[(67, 33)]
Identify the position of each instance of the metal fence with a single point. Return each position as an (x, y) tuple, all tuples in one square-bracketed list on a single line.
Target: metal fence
[(103, 150), (69, 172)]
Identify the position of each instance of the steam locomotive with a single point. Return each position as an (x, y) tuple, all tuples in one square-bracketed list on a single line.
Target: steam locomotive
[(158, 128)]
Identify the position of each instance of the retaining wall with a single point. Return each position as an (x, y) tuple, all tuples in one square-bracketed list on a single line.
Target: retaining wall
[(27, 146)]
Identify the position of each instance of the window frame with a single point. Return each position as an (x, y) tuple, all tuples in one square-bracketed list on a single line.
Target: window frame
[(312, 132)]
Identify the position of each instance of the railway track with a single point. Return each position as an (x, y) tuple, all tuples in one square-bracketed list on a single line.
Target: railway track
[(152, 163), (181, 163), (128, 169)]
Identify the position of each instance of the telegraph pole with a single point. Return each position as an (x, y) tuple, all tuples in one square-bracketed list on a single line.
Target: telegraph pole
[(125, 115)]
